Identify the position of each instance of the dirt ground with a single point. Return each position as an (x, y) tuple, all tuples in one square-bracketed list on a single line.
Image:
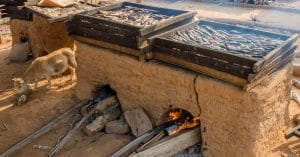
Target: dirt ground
[(17, 122)]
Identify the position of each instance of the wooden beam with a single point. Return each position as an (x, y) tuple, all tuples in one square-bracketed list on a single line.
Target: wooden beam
[(173, 145), (201, 69)]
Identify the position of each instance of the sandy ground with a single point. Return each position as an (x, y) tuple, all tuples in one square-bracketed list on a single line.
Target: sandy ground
[(17, 122), (45, 105)]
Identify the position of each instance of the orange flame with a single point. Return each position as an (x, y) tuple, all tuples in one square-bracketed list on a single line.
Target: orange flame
[(183, 122)]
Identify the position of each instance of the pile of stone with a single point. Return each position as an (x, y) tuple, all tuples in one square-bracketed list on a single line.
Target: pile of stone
[(111, 120)]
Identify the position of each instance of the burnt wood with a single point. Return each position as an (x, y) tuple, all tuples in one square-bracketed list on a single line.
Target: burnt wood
[(135, 36)]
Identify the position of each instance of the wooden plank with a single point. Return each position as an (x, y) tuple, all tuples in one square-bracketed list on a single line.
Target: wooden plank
[(133, 145), (273, 64), (149, 37), (117, 48), (42, 130), (201, 69), (214, 63), (166, 23), (265, 76), (109, 22), (102, 36), (286, 45), (87, 22), (170, 44), (173, 145)]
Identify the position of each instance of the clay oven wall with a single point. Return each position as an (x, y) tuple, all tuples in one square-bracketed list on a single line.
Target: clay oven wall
[(234, 122)]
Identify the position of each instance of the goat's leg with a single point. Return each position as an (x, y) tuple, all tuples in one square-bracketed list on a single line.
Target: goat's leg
[(36, 81), (49, 81), (72, 73)]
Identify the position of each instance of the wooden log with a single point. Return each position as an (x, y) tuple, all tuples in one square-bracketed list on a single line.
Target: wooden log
[(172, 145), (42, 130), (69, 135)]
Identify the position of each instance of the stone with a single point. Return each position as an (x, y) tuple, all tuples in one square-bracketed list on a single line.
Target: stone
[(19, 52), (111, 113), (138, 121), (117, 127)]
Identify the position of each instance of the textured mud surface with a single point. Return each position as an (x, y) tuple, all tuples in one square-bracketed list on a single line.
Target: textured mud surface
[(235, 41)]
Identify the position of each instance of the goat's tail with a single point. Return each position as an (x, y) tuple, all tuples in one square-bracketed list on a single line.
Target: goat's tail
[(71, 58)]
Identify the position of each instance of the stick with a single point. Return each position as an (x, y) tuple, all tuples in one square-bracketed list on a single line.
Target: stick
[(69, 135), (173, 145), (150, 142), (41, 131), (133, 145)]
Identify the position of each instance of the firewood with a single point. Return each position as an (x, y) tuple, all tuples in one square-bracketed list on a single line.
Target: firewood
[(173, 145), (150, 143), (138, 121), (133, 145), (42, 131), (69, 135)]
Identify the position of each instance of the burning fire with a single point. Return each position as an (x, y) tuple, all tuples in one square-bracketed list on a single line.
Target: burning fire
[(183, 121)]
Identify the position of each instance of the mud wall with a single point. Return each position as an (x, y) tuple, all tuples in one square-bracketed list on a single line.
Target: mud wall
[(43, 36), (234, 122)]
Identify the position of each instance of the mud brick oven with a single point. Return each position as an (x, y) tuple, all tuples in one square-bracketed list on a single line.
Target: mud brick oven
[(44, 28), (243, 111), (234, 121)]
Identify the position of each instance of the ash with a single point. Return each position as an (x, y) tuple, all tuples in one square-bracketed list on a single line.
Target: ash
[(135, 16), (62, 12), (238, 42)]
